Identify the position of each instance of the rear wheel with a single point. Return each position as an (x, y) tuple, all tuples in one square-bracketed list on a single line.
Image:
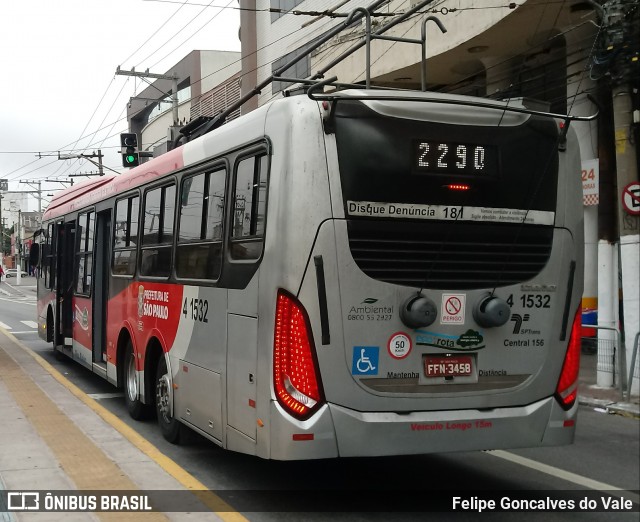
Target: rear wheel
[(136, 408), (170, 427)]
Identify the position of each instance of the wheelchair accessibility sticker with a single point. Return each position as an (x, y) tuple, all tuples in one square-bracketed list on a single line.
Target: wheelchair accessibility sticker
[(365, 360)]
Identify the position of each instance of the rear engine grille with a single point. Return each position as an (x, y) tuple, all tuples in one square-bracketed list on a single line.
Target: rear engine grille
[(449, 255)]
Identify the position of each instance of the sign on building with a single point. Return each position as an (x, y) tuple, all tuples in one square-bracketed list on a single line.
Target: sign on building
[(590, 182)]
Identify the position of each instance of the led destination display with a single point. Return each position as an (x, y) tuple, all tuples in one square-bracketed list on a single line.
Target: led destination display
[(454, 158)]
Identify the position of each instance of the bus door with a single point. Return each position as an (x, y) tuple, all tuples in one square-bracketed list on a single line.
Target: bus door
[(100, 289), (65, 234)]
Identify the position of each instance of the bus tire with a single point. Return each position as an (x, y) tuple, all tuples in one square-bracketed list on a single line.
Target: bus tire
[(170, 427), (136, 408)]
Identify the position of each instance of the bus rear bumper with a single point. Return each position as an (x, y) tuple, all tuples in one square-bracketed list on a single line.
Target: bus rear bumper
[(542, 423), (335, 431)]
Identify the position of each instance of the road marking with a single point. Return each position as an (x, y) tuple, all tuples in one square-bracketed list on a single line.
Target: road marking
[(25, 332), (30, 324), (24, 300), (565, 475), (5, 326)]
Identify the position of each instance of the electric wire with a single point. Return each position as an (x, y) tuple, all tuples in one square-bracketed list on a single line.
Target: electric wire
[(264, 65)]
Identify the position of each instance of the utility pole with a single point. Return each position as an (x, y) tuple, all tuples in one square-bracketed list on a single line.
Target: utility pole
[(70, 182), (37, 191), (1, 234), (174, 86), (18, 249), (4, 186), (88, 157), (84, 174), (621, 44)]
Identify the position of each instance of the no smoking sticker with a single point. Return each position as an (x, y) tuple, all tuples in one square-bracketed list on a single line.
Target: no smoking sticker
[(453, 306)]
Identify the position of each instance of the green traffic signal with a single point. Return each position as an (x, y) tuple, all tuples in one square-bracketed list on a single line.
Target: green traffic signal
[(129, 145), (130, 159)]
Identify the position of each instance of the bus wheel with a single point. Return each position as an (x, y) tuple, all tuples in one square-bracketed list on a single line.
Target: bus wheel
[(169, 426), (136, 408)]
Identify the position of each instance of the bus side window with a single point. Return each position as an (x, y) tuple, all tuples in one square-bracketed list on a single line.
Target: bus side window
[(84, 252), (157, 231), (249, 209), (200, 232), (125, 236), (48, 256)]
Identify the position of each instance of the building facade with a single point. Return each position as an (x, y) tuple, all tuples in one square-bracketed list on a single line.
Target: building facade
[(207, 82)]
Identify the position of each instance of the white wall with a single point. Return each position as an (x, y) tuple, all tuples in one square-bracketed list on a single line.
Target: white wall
[(216, 67), (287, 34)]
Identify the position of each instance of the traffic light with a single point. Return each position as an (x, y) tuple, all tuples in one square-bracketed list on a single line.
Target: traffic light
[(129, 149)]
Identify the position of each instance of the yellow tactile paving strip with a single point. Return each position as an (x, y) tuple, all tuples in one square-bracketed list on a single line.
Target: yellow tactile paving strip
[(81, 459), (84, 462)]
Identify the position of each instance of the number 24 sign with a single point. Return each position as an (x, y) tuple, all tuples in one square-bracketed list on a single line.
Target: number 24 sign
[(590, 188)]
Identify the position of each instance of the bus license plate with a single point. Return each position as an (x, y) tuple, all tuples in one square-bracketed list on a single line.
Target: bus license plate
[(454, 366)]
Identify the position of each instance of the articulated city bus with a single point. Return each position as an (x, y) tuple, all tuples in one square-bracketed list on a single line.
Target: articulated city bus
[(370, 273)]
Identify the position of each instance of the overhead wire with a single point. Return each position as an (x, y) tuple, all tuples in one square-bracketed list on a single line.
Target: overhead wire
[(174, 35), (182, 4), (263, 65), (73, 145)]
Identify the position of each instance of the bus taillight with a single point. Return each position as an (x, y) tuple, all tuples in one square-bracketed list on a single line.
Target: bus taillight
[(295, 369), (567, 389)]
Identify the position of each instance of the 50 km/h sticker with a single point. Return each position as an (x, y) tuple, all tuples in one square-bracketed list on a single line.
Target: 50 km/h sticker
[(399, 345), (453, 308)]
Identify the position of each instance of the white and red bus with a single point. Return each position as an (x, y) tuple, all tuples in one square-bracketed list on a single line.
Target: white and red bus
[(367, 274)]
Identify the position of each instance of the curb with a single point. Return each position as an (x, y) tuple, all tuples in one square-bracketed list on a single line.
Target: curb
[(626, 409)]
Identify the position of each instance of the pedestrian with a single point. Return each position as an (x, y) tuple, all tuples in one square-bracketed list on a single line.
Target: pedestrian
[(1, 273)]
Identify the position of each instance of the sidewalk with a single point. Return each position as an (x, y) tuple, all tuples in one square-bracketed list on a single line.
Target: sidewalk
[(53, 438), (609, 399)]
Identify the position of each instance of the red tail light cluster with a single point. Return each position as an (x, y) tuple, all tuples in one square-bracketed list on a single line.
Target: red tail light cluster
[(295, 370), (567, 389)]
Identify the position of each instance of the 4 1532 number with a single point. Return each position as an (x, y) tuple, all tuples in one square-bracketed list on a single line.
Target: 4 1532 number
[(196, 309)]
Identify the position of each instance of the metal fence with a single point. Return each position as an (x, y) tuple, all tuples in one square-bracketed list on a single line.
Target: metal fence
[(611, 360)]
